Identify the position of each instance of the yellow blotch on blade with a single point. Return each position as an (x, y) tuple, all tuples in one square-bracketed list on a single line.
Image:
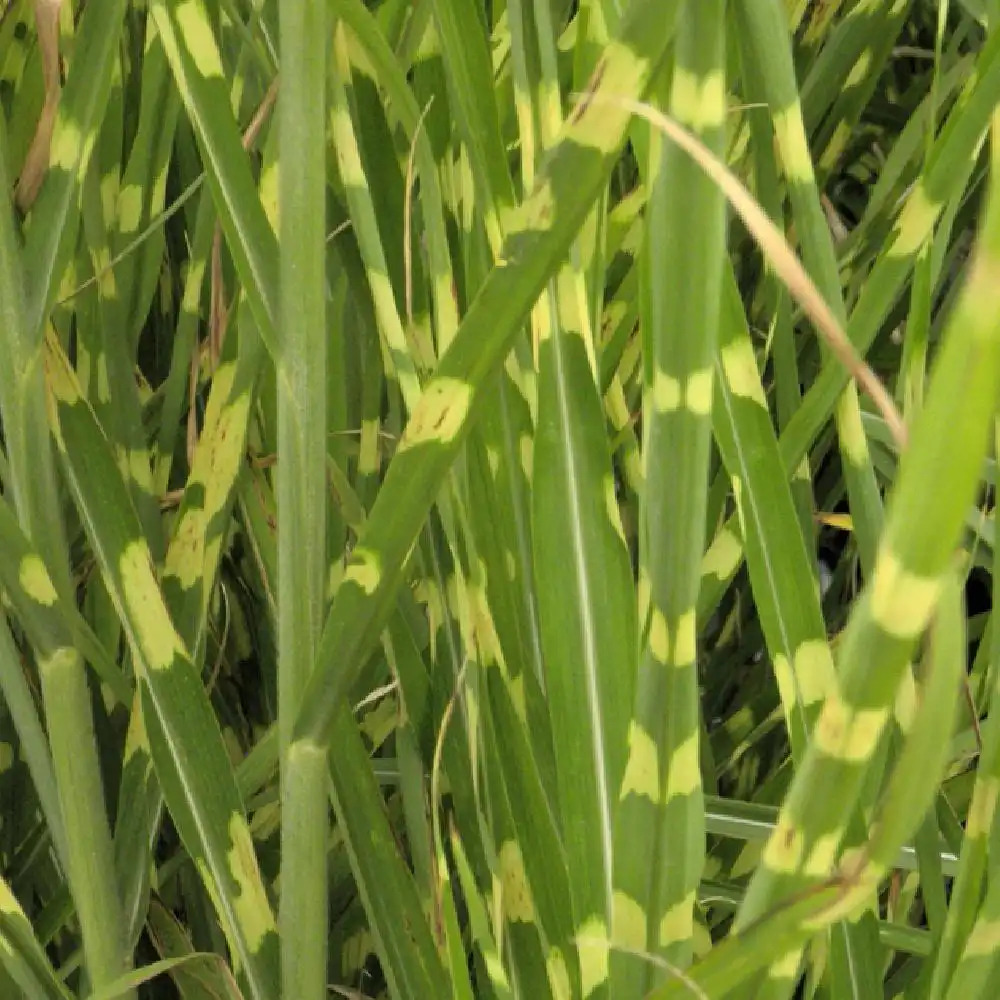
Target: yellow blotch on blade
[(983, 806), (107, 284), (698, 393), (185, 556), (526, 451), (740, 368), (794, 149), (364, 570), (212, 550), (611, 508), (659, 637), (737, 485), (253, 912), (60, 376), (129, 208), (738, 496), (723, 556), (35, 581), (628, 923), (592, 943), (862, 66), (428, 593), (787, 690), (368, 458), (201, 43), (192, 287), (350, 166), (66, 144), (852, 432), (786, 967), (686, 642), (846, 733), (666, 392), (814, 670), (159, 186), (916, 223), (643, 594), (823, 855), (557, 975), (157, 638), (683, 770), (698, 101), (268, 186), (484, 631), (105, 273), (642, 772), (222, 387), (677, 924), (543, 326), (783, 852), (901, 601), (139, 468), (517, 902), (225, 453), (440, 414), (523, 380), (6, 756)]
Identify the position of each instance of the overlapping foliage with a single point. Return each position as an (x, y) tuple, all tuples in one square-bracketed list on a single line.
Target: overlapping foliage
[(445, 551)]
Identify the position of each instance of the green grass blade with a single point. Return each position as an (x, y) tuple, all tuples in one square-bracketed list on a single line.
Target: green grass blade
[(585, 606), (411, 962), (785, 590), (660, 845), (301, 488), (184, 736), (33, 747)]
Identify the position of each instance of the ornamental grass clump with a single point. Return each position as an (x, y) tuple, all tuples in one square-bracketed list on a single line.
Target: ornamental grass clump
[(497, 499)]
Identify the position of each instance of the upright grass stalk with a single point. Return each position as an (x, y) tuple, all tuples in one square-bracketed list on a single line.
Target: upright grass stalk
[(660, 836), (301, 375)]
